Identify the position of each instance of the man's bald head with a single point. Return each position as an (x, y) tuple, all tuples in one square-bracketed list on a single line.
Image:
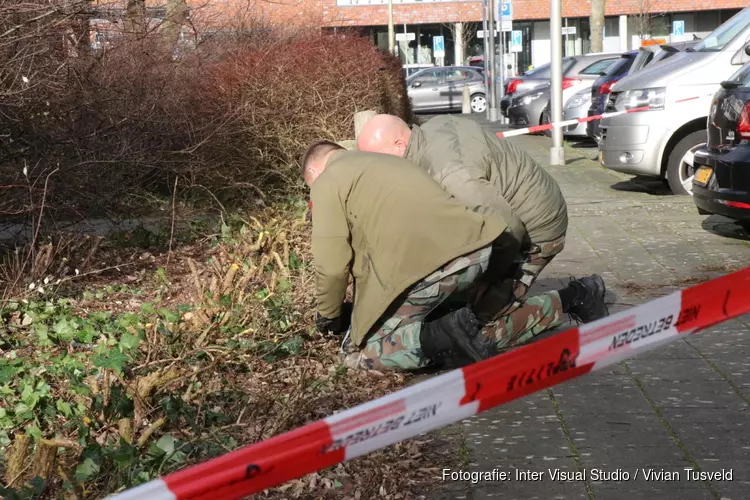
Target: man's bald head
[(384, 134)]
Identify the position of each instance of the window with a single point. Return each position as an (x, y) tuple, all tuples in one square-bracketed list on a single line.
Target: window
[(742, 76), (428, 77), (725, 33), (544, 71), (457, 75), (598, 68), (643, 59)]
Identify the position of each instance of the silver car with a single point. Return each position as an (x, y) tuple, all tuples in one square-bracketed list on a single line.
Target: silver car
[(578, 72), (441, 89), (662, 140), (575, 107)]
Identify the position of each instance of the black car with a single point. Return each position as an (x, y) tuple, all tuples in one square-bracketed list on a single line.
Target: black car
[(721, 184), (526, 108), (600, 90)]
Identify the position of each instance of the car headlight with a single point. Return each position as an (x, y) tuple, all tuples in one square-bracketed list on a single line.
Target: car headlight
[(578, 100), (632, 99), (531, 98)]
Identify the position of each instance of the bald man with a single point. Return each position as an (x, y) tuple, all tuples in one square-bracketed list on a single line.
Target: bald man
[(415, 254), (490, 176)]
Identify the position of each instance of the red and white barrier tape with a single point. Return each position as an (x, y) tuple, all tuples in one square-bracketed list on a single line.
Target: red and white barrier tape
[(575, 121), (456, 395), (566, 123)]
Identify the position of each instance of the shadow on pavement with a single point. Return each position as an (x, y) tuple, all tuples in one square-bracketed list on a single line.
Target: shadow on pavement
[(648, 185), (727, 228)]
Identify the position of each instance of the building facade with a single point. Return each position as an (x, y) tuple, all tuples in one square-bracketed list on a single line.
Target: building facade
[(459, 22)]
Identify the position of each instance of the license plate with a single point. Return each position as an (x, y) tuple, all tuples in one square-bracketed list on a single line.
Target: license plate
[(703, 175), (601, 156)]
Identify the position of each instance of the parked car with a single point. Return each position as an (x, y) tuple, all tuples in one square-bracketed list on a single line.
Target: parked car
[(575, 107), (526, 109), (410, 69), (602, 85), (441, 88), (631, 63), (721, 184), (662, 141), (576, 71)]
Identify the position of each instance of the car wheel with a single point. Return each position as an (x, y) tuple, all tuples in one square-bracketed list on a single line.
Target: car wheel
[(745, 224), (478, 103), (680, 168)]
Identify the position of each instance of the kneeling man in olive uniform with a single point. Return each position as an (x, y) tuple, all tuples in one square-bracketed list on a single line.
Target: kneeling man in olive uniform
[(415, 254)]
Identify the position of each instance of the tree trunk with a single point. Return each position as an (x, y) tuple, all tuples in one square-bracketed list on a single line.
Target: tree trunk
[(177, 15), (135, 18), (596, 21)]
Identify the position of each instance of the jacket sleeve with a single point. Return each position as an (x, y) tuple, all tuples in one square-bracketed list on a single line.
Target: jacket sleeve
[(332, 252), (469, 184)]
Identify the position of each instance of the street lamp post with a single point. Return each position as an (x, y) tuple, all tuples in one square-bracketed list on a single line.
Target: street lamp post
[(557, 152), (492, 65), (391, 29)]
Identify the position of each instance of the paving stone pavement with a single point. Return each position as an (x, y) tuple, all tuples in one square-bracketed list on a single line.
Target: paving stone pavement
[(683, 406)]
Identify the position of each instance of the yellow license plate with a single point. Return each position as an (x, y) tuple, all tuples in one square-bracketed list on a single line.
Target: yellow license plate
[(601, 156), (703, 175)]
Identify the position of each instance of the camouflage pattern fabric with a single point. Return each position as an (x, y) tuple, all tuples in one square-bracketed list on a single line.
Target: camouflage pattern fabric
[(523, 319), (529, 318), (513, 293), (537, 259), (395, 339)]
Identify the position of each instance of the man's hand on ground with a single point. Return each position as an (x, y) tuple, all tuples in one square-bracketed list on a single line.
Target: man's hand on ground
[(337, 325)]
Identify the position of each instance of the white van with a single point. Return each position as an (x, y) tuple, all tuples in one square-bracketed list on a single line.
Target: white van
[(661, 142)]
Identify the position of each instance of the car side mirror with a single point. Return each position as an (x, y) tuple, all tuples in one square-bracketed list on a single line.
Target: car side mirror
[(742, 56), (416, 84)]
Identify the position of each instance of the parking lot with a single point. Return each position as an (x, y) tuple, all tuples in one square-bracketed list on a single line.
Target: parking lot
[(682, 407)]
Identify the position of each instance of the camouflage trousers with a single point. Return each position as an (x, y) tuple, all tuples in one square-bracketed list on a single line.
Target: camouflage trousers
[(537, 259), (521, 318), (395, 341)]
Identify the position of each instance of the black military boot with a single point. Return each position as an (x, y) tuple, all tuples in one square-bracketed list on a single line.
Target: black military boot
[(455, 340), (586, 302)]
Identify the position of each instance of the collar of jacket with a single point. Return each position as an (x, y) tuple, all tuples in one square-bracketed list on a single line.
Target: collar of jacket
[(416, 145)]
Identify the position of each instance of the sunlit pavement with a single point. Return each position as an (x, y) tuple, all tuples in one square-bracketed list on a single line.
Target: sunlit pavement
[(686, 405)]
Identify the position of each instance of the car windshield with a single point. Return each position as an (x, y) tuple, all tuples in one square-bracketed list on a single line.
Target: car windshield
[(620, 67), (742, 76), (725, 33), (599, 67), (643, 59), (544, 71)]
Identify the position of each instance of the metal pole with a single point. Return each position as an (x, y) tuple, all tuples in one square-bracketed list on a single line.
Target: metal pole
[(502, 68), (557, 153), (491, 48), (485, 57), (391, 29)]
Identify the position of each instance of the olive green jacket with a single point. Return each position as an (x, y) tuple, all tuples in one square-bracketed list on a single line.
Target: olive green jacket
[(490, 175), (386, 222)]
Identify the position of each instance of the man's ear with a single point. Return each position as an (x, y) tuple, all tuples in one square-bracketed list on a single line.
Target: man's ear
[(401, 145)]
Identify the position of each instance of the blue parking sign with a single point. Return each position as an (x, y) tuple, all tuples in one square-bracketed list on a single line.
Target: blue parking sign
[(678, 28), (438, 46), (517, 37), (506, 9)]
